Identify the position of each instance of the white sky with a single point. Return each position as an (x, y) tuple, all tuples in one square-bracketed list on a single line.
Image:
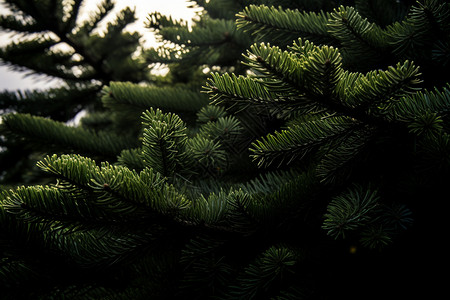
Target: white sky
[(177, 8)]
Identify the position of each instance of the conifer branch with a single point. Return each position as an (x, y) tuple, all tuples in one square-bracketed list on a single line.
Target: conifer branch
[(350, 210), (50, 133), (357, 36), (286, 24), (296, 142), (164, 141), (123, 96)]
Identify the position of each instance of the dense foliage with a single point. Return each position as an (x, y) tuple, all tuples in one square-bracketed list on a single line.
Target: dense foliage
[(313, 169)]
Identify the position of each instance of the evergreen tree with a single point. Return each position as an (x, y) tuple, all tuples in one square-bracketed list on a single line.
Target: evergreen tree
[(88, 66), (50, 40), (301, 177)]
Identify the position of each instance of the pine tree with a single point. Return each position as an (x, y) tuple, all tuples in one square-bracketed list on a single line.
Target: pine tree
[(313, 171)]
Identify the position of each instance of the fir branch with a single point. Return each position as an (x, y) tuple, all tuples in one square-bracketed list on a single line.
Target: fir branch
[(378, 90), (285, 72), (75, 169), (144, 196), (211, 211), (125, 96), (132, 159), (284, 24), (122, 19), (158, 21), (288, 145), (266, 270), (208, 153), (358, 37), (163, 55), (77, 198), (426, 23), (322, 71), (336, 165), (94, 249), (210, 113), (164, 141), (240, 215), (212, 33), (277, 199), (225, 129), (103, 9), (220, 9), (212, 41), (281, 68), (91, 65), (35, 55), (52, 134), (309, 76), (73, 15), (21, 24), (120, 194), (427, 101), (51, 207), (350, 210), (239, 91), (60, 104)]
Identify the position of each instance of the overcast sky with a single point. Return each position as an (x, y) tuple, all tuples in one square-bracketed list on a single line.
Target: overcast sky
[(177, 8)]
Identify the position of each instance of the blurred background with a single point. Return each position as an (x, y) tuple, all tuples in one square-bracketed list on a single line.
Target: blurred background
[(178, 9)]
